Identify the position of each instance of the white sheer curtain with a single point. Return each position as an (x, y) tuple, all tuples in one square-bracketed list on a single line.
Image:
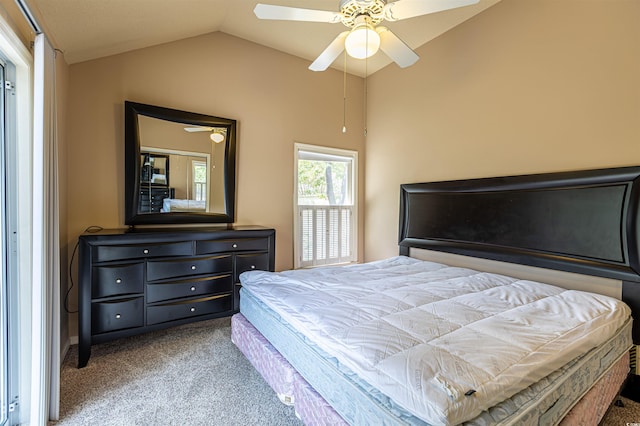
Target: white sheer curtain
[(46, 241)]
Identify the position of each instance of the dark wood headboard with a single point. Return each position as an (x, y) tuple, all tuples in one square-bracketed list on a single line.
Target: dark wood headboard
[(587, 222)]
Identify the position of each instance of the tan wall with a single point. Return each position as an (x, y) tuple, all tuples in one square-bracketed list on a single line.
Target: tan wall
[(275, 98), (524, 87)]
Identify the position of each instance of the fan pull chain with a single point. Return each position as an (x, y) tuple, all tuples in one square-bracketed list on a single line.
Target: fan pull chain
[(344, 95), (364, 113), (366, 73)]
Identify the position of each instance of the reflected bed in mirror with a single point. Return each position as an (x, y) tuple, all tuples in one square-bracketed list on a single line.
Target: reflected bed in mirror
[(179, 166)]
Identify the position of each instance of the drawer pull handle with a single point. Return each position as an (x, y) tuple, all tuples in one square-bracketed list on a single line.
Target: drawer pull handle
[(193, 267), (118, 316), (192, 309), (234, 245), (145, 251), (118, 281), (193, 288)]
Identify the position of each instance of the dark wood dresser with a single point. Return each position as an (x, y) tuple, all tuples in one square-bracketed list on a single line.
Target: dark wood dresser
[(135, 281), (152, 198)]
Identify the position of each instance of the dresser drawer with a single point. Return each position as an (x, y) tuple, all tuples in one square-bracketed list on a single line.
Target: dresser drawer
[(166, 269), (250, 262), (118, 252), (114, 280), (175, 290), (189, 308), (241, 244), (117, 315), (154, 192)]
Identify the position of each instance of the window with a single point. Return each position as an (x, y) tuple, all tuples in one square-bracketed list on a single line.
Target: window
[(199, 180), (325, 218)]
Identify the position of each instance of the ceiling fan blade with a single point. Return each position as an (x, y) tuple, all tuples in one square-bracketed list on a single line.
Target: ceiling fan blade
[(403, 9), (330, 54), (395, 48), (285, 13), (198, 129)]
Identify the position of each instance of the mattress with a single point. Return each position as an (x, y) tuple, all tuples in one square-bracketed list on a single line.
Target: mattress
[(314, 410), (379, 311)]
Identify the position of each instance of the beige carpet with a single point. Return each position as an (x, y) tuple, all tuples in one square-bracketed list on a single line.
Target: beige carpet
[(629, 415), (189, 375)]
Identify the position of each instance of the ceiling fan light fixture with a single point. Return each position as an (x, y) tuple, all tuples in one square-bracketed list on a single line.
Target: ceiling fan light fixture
[(217, 137), (362, 42)]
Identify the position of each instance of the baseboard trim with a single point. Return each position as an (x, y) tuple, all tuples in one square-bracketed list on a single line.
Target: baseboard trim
[(64, 348)]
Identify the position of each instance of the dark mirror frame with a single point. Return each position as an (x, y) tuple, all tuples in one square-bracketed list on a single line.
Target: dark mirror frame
[(132, 165)]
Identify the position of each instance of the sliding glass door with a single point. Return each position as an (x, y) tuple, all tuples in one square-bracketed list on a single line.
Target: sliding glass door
[(8, 248), (4, 289)]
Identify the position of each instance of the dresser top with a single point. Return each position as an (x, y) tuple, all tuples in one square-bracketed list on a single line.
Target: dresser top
[(194, 233)]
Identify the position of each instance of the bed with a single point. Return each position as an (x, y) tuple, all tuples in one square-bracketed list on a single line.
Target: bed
[(177, 205), (411, 341)]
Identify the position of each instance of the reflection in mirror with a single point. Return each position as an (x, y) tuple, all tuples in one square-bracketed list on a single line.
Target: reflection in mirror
[(185, 169), (197, 178), (154, 181)]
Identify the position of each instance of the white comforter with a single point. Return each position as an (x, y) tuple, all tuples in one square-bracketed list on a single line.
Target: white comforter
[(175, 205), (445, 343)]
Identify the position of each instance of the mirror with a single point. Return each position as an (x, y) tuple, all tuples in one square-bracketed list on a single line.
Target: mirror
[(179, 166)]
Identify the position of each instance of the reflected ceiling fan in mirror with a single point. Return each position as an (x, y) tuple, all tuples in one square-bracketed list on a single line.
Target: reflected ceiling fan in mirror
[(217, 135), (364, 37)]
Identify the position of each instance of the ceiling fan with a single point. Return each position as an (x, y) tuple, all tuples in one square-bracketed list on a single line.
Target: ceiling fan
[(364, 37), (217, 135)]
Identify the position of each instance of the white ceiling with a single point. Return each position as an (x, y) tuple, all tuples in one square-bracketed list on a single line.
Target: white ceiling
[(90, 29)]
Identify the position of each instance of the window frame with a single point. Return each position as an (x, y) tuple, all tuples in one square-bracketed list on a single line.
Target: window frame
[(197, 184), (297, 220)]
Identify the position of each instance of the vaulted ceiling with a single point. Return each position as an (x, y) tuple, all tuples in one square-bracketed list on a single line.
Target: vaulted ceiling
[(90, 29)]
